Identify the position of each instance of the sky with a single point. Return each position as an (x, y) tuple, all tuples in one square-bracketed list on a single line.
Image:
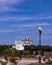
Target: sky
[(21, 18)]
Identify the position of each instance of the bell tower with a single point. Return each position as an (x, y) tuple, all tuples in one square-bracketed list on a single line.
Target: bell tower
[(27, 40), (30, 41)]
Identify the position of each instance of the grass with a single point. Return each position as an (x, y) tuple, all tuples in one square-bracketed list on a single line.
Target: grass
[(39, 64), (49, 62), (3, 63), (27, 56)]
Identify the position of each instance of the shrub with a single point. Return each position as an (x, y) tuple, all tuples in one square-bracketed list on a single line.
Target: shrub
[(49, 62), (3, 63)]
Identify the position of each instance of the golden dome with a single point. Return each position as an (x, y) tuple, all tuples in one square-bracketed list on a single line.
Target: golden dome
[(27, 38)]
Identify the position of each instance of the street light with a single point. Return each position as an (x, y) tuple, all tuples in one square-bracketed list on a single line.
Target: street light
[(40, 31)]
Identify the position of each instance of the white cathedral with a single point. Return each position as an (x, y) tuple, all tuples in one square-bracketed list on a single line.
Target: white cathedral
[(27, 41)]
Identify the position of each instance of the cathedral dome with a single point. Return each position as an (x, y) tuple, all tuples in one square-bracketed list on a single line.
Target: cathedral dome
[(27, 38)]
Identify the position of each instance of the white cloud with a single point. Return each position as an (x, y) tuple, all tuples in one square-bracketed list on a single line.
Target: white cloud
[(10, 30), (36, 24), (4, 9), (6, 30), (8, 9), (24, 18), (5, 5), (22, 27), (45, 24), (10, 1), (14, 18), (30, 25), (43, 17)]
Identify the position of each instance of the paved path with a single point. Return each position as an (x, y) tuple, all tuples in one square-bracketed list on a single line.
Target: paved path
[(26, 62), (22, 62)]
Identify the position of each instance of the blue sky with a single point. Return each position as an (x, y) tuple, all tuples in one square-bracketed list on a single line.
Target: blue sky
[(21, 18)]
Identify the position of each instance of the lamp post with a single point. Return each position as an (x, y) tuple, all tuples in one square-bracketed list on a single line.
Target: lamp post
[(40, 31)]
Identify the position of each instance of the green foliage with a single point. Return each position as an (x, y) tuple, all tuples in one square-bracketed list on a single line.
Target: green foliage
[(3, 63), (46, 48), (39, 64), (36, 52), (9, 51), (26, 53), (49, 62), (42, 53)]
